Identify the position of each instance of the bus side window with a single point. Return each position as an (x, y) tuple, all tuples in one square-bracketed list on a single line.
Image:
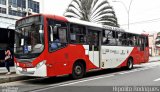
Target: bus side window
[(142, 43), (132, 40), (77, 34), (57, 34), (104, 39), (123, 39), (137, 40), (129, 40), (62, 35), (109, 37), (119, 38)]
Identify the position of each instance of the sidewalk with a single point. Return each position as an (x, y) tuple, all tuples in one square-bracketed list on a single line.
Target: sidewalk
[(12, 77), (154, 59), (3, 70)]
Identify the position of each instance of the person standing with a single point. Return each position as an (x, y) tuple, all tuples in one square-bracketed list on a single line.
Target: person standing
[(8, 58)]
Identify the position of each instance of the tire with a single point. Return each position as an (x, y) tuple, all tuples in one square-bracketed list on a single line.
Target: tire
[(129, 64), (78, 70)]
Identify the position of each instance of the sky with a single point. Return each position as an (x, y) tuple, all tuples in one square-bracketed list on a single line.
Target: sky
[(144, 15)]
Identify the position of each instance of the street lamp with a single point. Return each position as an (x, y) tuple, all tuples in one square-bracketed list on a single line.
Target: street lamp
[(127, 9)]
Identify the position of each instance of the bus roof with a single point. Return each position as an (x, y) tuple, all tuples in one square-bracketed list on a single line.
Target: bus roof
[(77, 21), (81, 22)]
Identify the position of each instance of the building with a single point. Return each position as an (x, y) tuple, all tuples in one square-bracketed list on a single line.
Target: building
[(154, 47), (12, 10)]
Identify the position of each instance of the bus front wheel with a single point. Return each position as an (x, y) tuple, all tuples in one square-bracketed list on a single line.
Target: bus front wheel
[(78, 70)]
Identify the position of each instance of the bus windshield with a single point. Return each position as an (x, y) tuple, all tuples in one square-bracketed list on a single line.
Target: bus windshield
[(29, 41)]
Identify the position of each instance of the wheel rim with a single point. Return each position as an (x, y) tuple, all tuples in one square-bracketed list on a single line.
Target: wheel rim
[(78, 70)]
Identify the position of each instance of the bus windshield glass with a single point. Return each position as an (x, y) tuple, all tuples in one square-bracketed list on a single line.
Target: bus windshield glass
[(29, 41)]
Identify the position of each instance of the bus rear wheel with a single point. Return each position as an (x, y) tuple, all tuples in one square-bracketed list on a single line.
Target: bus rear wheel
[(78, 70), (129, 64)]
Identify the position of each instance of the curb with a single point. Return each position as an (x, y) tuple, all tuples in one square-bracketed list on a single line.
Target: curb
[(4, 73), (13, 77), (154, 60)]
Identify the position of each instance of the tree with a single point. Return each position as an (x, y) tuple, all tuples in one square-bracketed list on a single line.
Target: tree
[(97, 11)]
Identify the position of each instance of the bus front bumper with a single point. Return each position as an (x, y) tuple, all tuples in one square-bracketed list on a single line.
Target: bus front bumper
[(39, 72)]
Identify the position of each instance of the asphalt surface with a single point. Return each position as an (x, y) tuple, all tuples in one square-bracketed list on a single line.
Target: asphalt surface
[(147, 74)]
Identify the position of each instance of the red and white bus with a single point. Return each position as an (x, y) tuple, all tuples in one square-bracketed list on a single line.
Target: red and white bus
[(50, 45)]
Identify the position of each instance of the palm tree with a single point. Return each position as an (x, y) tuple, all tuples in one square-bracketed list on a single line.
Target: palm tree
[(97, 11)]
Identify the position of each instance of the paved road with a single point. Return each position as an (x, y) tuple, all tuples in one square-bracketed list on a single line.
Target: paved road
[(147, 74)]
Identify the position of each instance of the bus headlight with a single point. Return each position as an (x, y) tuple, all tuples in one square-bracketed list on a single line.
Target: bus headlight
[(17, 64), (41, 63)]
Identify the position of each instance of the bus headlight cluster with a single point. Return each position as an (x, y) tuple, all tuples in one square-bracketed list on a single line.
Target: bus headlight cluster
[(17, 64), (40, 63)]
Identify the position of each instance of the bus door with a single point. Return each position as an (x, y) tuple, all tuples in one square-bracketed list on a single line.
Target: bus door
[(142, 49), (94, 47), (146, 50)]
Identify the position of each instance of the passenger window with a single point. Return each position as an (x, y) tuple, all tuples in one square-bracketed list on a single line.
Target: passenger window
[(120, 38), (131, 39), (137, 41), (77, 34), (57, 34), (109, 37)]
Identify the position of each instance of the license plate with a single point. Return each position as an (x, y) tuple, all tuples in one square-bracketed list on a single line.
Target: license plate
[(24, 69)]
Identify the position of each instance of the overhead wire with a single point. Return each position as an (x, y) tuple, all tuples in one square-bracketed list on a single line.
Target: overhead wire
[(143, 22)]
